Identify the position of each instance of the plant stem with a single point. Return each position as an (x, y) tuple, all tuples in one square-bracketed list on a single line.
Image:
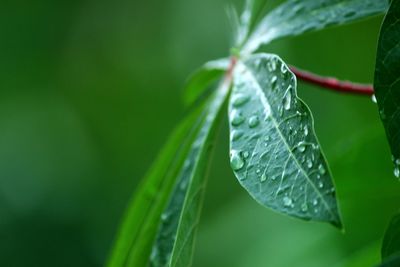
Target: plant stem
[(333, 83)]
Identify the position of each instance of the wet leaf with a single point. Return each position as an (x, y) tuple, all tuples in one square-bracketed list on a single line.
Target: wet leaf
[(273, 148), (387, 80), (139, 226), (295, 17), (391, 241), (175, 240), (201, 79)]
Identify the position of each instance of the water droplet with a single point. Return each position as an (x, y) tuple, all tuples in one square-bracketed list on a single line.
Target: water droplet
[(236, 135), (287, 98), (321, 169), (396, 172), (267, 138), (253, 121), (237, 118), (164, 216), (373, 98), (263, 177), (320, 184), (304, 207), (315, 202), (301, 148), (258, 171), (309, 163), (287, 201), (305, 130), (397, 161), (246, 154), (274, 79), (240, 100), (236, 160)]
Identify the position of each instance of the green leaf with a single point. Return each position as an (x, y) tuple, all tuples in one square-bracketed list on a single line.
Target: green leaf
[(139, 227), (176, 236), (295, 17), (248, 18), (391, 241), (273, 148), (393, 261), (387, 80), (202, 78)]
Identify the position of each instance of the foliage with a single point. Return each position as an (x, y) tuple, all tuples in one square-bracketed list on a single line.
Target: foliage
[(274, 151)]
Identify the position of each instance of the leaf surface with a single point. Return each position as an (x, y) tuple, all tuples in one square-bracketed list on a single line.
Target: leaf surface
[(201, 79), (176, 236), (139, 226), (295, 17), (387, 80), (273, 148), (391, 241)]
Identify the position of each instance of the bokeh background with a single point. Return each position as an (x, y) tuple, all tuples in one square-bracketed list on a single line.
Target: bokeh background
[(89, 91)]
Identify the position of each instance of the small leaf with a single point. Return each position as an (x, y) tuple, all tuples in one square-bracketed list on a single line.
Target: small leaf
[(201, 79), (273, 148), (247, 20), (387, 80), (391, 241), (175, 239), (295, 17), (139, 227)]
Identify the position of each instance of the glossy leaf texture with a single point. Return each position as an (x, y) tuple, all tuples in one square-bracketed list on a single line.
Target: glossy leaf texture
[(201, 79), (391, 244), (140, 224), (387, 80), (295, 17), (274, 152), (175, 240)]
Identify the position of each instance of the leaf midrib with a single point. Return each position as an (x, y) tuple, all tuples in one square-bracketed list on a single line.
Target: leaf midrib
[(265, 100)]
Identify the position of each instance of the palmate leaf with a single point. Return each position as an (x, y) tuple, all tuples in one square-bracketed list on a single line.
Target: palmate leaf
[(202, 78), (139, 226), (295, 17), (391, 244), (174, 243), (387, 80), (273, 148)]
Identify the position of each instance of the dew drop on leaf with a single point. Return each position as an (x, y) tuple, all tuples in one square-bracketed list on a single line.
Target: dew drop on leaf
[(321, 169), (309, 163), (237, 118), (287, 99), (263, 177), (396, 172), (240, 100), (287, 201), (373, 98), (253, 121), (236, 135), (304, 207), (236, 160)]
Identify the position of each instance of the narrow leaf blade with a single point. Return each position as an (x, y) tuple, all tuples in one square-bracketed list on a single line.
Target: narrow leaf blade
[(201, 79), (273, 148), (139, 227), (175, 240), (387, 82), (295, 17), (391, 240)]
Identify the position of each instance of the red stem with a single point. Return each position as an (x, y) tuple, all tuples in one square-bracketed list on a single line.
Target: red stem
[(333, 83)]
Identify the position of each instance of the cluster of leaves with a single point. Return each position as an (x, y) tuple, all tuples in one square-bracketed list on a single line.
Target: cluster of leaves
[(274, 151)]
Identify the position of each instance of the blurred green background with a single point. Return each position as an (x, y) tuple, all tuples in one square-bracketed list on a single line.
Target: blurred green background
[(91, 89)]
